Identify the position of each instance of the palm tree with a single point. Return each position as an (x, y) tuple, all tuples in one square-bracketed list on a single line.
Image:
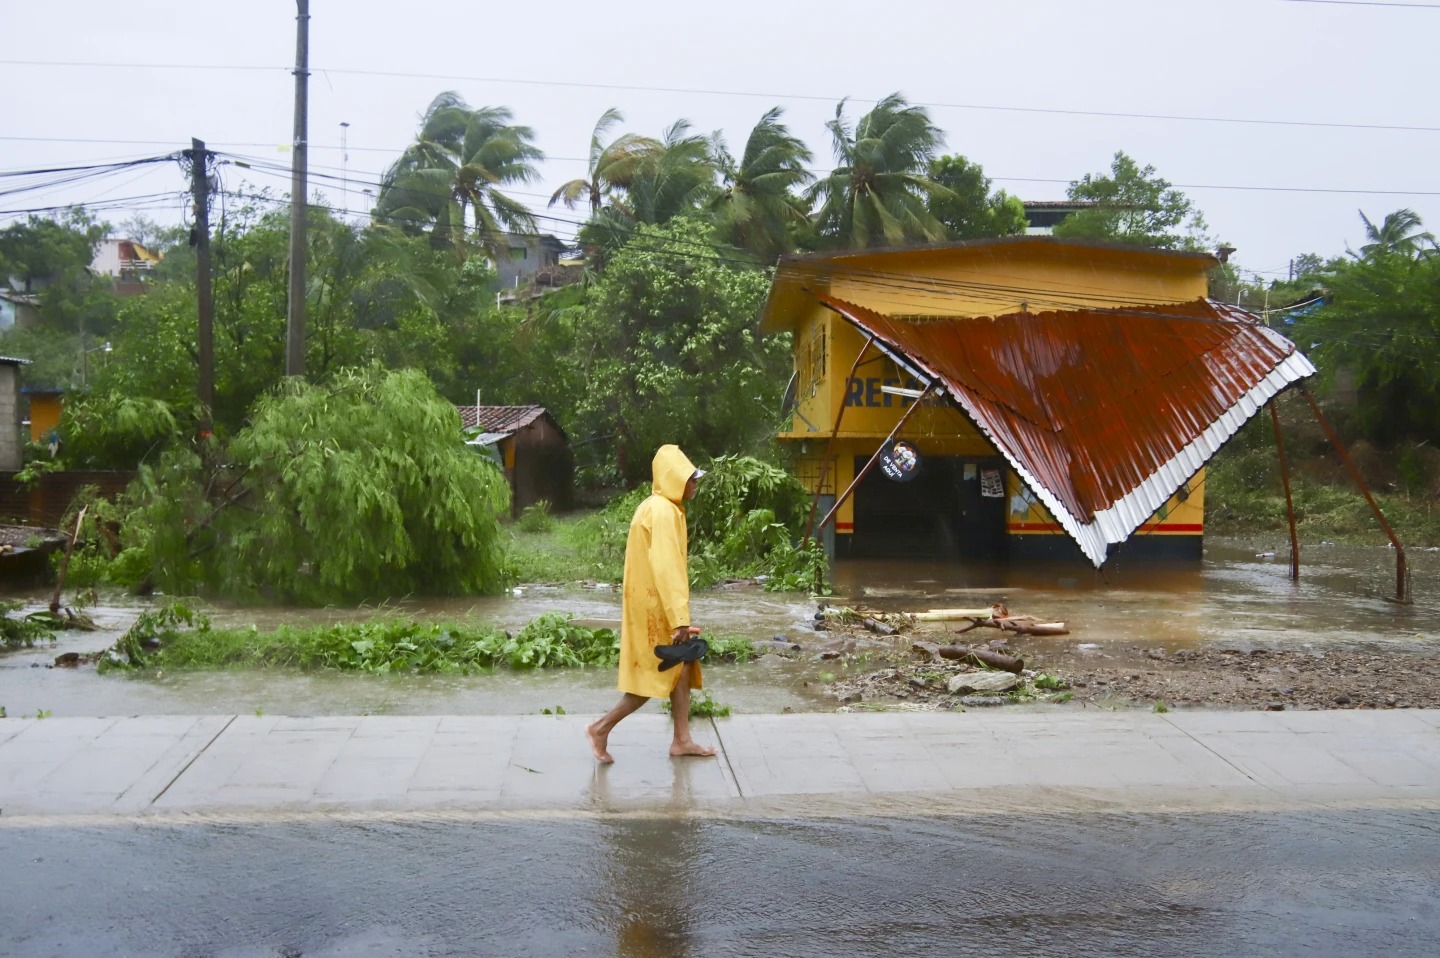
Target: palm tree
[(1396, 234), (611, 166), (677, 178), (451, 176), (876, 194), (757, 208)]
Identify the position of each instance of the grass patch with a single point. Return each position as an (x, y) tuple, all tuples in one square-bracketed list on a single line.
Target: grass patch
[(702, 706), (1244, 495)]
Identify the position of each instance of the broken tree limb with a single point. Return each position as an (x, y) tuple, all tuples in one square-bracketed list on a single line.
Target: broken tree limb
[(984, 657), (1024, 625), (65, 563), (952, 615)]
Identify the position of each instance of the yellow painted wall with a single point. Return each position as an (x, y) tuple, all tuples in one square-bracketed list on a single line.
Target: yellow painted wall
[(1183, 514), (44, 415)]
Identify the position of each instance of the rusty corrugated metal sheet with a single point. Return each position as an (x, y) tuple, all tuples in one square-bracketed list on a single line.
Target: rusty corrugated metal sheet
[(1103, 413)]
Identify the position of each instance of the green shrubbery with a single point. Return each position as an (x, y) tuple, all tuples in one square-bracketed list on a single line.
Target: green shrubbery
[(174, 637), (744, 523)]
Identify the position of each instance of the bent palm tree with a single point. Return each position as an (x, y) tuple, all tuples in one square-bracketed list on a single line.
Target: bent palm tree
[(453, 173), (677, 178), (1397, 233), (611, 166), (876, 195), (758, 206)]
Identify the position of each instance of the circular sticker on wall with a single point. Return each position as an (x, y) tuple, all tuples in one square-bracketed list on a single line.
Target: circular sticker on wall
[(900, 460)]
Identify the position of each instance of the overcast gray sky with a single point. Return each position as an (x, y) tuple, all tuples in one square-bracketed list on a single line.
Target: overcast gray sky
[(988, 71)]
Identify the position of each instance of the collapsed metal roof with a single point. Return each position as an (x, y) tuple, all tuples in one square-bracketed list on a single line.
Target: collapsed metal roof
[(1103, 413)]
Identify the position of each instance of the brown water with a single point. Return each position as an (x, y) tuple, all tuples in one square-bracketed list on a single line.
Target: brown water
[(1233, 597)]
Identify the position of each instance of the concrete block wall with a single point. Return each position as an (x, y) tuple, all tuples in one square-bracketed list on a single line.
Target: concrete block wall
[(12, 451)]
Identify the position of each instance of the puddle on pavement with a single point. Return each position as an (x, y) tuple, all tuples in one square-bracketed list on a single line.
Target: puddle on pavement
[(1233, 597)]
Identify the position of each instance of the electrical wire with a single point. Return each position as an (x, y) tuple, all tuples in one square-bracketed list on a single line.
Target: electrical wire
[(697, 91)]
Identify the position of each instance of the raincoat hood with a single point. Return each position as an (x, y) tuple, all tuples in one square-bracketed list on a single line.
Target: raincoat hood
[(669, 471)]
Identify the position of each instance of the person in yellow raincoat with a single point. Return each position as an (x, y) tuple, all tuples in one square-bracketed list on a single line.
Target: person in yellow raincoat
[(655, 606)]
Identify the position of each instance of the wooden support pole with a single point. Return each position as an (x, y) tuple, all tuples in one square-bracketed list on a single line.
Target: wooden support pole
[(1400, 576), (1289, 502), (871, 464), (835, 430)]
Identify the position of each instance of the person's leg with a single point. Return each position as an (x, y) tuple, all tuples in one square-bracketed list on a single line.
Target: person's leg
[(599, 730), (680, 712)]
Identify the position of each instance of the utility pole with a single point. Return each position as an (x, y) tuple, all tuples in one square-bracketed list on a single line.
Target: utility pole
[(295, 311), (205, 335), (344, 169)]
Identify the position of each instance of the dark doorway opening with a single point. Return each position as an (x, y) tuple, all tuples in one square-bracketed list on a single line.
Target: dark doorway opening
[(942, 513)]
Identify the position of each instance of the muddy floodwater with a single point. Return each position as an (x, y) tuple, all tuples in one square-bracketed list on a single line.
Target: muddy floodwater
[(1240, 595)]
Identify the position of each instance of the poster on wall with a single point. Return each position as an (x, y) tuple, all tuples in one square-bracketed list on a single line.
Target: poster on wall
[(991, 486), (899, 460)]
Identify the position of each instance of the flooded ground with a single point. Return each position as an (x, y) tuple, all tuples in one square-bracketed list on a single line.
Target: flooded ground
[(1235, 598), (1314, 884)]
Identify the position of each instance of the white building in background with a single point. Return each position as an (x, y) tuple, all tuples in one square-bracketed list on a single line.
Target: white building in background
[(128, 262)]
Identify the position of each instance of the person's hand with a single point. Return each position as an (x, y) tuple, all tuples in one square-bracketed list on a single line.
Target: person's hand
[(681, 634)]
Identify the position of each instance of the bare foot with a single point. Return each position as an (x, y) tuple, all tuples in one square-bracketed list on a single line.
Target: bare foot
[(598, 743), (690, 748)]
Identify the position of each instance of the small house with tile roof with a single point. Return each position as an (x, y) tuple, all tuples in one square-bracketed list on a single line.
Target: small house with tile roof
[(532, 448)]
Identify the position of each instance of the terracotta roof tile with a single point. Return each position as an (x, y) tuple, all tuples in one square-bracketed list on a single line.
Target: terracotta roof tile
[(501, 419)]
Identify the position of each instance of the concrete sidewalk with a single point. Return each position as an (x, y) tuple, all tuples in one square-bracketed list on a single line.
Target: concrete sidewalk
[(804, 764)]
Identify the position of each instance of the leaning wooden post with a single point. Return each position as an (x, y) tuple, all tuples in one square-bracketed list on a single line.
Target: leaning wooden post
[(835, 431), (871, 464), (65, 563), (1289, 502), (1400, 595)]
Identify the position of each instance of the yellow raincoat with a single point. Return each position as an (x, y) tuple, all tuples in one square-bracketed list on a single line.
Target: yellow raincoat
[(656, 600)]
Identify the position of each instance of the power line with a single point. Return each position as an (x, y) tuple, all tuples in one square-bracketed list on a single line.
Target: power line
[(1371, 3), (699, 91)]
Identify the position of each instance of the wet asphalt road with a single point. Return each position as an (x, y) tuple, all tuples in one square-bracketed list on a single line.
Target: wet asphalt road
[(1362, 882)]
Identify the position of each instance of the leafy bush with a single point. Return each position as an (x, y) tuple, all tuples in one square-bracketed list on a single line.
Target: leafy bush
[(536, 518), (549, 641), (20, 632)]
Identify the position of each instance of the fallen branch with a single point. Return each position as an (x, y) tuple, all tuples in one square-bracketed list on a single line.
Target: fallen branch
[(980, 657), (65, 563), (991, 660)]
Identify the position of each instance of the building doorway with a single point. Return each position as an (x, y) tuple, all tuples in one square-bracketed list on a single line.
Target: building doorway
[(943, 513)]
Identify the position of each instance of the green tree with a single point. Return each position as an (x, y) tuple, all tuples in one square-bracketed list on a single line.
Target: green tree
[(358, 488), (1132, 204), (667, 346), (450, 179), (971, 210), (1398, 234), (757, 208), (50, 260), (1381, 319), (877, 193), (42, 252)]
